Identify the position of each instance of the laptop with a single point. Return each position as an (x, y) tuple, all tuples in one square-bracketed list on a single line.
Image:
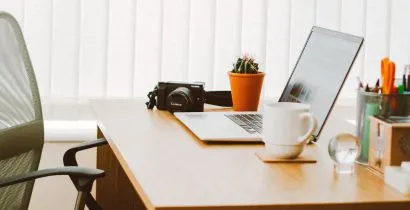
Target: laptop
[(317, 79)]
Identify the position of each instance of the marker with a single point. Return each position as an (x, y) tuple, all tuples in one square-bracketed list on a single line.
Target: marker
[(408, 83), (406, 72), (400, 89)]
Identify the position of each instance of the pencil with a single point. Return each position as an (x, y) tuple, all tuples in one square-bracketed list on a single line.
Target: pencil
[(367, 89), (376, 87)]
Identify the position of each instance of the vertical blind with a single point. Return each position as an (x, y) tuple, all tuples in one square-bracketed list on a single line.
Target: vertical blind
[(121, 48)]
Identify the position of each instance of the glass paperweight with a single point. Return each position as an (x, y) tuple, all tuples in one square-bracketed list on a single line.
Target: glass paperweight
[(344, 149)]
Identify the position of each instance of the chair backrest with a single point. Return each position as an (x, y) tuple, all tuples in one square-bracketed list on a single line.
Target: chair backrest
[(21, 120)]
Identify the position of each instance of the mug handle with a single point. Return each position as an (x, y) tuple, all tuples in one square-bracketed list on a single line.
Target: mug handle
[(312, 127)]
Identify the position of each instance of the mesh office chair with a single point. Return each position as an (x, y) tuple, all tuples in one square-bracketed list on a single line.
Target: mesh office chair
[(22, 131)]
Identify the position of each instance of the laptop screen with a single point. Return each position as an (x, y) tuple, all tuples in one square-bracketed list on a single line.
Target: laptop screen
[(321, 70)]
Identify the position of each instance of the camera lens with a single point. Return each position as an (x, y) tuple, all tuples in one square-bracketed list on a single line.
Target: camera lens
[(180, 100)]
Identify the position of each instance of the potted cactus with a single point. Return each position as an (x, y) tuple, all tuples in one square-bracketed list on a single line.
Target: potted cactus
[(246, 84)]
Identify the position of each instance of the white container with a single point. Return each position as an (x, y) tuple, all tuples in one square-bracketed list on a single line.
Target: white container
[(397, 178)]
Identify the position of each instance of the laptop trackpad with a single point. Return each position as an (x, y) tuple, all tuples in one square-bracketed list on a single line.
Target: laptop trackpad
[(215, 126)]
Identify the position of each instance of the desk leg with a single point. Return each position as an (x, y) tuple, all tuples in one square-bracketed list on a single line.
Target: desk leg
[(114, 191)]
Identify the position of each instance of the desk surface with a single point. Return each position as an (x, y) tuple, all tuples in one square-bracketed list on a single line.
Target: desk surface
[(169, 167)]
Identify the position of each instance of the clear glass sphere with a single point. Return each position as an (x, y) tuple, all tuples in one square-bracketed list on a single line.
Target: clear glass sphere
[(344, 149)]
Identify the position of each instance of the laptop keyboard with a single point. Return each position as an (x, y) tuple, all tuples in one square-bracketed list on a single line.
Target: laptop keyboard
[(252, 123)]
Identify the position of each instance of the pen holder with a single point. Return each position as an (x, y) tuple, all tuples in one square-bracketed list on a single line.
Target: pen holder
[(394, 107)]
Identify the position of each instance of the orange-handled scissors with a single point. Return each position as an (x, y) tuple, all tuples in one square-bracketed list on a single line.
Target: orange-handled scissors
[(388, 72)]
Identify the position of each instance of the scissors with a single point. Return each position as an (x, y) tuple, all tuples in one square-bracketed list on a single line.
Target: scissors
[(388, 72)]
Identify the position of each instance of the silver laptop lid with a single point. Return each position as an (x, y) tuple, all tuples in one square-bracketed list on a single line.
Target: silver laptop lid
[(321, 71)]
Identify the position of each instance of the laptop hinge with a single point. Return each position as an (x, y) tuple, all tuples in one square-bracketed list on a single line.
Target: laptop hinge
[(314, 138)]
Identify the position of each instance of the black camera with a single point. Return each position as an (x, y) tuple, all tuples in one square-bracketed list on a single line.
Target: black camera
[(185, 97), (180, 97)]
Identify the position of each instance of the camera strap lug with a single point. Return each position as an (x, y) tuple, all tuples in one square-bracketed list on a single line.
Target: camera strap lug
[(152, 98)]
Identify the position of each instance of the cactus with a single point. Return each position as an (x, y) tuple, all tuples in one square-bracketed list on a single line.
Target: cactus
[(245, 65)]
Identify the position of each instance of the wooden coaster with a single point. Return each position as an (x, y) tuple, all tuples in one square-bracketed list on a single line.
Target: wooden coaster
[(267, 158)]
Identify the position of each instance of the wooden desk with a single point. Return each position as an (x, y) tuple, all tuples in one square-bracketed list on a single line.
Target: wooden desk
[(153, 161)]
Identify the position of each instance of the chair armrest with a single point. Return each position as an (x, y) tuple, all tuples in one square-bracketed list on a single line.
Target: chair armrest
[(70, 160), (69, 155), (85, 176)]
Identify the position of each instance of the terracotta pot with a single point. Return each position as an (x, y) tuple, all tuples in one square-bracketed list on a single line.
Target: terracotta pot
[(246, 90)]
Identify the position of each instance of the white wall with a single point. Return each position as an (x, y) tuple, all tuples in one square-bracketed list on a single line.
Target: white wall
[(121, 48)]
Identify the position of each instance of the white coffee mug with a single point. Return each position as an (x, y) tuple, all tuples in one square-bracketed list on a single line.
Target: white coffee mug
[(282, 128)]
